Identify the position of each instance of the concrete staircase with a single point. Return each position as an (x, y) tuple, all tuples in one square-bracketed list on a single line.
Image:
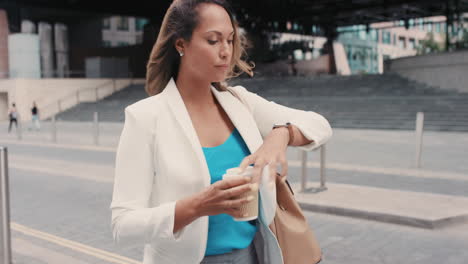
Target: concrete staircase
[(367, 101), (110, 109), (385, 101)]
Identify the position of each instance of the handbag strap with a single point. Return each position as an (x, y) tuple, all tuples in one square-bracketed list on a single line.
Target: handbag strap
[(246, 105)]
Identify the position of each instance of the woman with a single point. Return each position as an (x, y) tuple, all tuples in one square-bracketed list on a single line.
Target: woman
[(177, 143), (35, 117), (13, 116)]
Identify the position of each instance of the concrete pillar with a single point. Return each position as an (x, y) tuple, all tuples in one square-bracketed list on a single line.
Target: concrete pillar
[(4, 31), (23, 56), (46, 49), (448, 25), (330, 34), (61, 49), (27, 26)]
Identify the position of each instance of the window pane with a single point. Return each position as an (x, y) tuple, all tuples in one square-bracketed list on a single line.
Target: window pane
[(386, 37), (140, 23), (106, 23), (122, 23), (401, 42), (429, 27), (412, 43)]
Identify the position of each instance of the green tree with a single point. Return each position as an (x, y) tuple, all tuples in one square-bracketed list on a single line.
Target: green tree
[(428, 45), (464, 40)]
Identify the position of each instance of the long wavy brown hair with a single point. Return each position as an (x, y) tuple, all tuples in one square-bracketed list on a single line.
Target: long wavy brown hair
[(180, 20)]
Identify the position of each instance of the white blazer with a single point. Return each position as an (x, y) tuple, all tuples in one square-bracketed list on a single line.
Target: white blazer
[(159, 160)]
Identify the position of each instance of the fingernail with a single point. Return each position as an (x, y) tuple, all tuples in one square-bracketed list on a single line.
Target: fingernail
[(250, 198), (248, 179), (254, 187)]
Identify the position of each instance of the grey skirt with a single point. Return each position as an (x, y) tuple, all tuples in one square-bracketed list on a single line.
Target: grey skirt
[(239, 256)]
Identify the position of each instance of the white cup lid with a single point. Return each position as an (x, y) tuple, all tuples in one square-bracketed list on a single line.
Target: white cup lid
[(233, 172), (237, 170)]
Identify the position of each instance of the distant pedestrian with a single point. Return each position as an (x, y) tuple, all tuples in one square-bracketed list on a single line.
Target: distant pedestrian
[(292, 63), (35, 117), (13, 116)]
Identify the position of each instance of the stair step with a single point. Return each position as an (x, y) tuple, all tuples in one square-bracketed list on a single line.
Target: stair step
[(367, 102)]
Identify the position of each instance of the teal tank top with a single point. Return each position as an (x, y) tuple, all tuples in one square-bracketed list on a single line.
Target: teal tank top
[(224, 233)]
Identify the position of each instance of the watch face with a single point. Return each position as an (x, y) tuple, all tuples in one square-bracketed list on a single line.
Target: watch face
[(281, 125)]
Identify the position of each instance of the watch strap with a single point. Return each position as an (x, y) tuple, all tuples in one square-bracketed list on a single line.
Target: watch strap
[(290, 129)]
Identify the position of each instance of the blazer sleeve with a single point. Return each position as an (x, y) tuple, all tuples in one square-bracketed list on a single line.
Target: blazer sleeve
[(133, 221), (266, 113)]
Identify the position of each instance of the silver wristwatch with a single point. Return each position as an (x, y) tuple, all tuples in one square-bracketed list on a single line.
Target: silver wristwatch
[(289, 126)]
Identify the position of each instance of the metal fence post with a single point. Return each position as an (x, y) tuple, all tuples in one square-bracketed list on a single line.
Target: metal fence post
[(303, 170), (322, 186), (54, 130), (419, 137), (5, 238), (96, 128), (322, 168)]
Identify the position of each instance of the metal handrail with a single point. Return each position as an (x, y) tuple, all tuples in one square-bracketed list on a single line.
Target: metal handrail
[(71, 93), (304, 179), (67, 74), (76, 94)]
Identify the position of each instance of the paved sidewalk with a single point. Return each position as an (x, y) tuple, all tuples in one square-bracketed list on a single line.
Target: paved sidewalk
[(395, 149), (400, 207), (67, 133), (414, 208), (389, 199)]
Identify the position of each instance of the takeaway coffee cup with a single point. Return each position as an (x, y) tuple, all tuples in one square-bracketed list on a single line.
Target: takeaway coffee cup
[(250, 208)]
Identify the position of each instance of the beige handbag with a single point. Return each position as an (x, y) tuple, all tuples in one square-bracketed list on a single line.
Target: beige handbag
[(295, 237)]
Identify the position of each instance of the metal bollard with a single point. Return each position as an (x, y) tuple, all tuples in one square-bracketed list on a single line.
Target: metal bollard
[(54, 130), (96, 128), (5, 237), (322, 169), (322, 186), (303, 170), (419, 137)]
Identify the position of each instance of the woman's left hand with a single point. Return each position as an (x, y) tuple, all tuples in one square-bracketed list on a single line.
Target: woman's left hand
[(271, 152)]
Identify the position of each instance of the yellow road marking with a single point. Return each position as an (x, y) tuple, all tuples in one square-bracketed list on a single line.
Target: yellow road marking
[(98, 253)]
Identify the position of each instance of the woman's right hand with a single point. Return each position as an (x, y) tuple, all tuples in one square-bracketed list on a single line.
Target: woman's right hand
[(220, 197)]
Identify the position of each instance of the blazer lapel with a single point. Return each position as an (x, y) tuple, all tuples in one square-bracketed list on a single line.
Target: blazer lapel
[(241, 118), (237, 112)]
